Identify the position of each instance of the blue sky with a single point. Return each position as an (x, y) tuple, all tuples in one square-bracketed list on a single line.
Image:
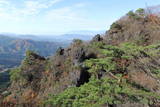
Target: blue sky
[(63, 16)]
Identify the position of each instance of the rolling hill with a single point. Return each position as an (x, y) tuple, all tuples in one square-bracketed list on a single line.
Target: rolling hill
[(12, 49)]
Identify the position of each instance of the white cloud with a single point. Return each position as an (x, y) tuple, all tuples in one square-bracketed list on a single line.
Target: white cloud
[(68, 14), (79, 5), (4, 2), (41, 14), (10, 10), (33, 7), (52, 2), (65, 13), (70, 18)]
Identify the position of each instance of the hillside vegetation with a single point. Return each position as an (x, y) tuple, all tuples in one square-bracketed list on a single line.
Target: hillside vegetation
[(12, 50), (119, 69)]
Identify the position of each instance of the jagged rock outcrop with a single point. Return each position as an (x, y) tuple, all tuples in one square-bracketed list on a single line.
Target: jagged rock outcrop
[(97, 38)]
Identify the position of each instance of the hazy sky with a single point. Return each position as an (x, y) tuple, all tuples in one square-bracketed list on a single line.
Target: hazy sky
[(61, 16)]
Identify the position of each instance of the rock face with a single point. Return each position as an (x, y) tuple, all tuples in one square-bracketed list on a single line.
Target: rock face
[(119, 69), (97, 38), (60, 51)]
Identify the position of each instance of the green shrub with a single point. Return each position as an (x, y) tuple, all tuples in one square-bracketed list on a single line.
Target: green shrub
[(77, 41), (153, 50), (112, 51), (115, 26), (29, 59), (140, 11), (97, 45), (99, 92), (156, 72), (131, 49), (15, 74), (100, 64), (133, 15)]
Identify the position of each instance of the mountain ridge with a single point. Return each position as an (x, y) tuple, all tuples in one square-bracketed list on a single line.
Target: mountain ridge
[(12, 49)]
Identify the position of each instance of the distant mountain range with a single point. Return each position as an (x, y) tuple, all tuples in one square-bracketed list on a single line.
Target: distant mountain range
[(13, 46), (83, 35), (87, 32), (12, 49)]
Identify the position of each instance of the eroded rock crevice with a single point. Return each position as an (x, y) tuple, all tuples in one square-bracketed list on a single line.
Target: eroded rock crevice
[(84, 78)]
